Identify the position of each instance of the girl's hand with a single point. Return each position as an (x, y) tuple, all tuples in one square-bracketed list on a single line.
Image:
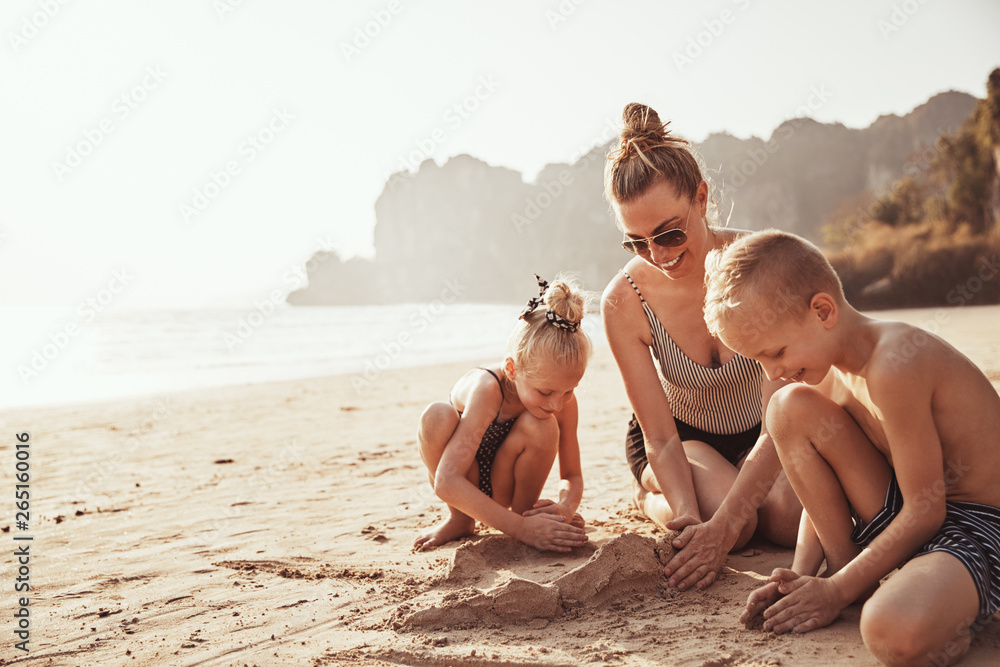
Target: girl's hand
[(550, 532), (545, 506)]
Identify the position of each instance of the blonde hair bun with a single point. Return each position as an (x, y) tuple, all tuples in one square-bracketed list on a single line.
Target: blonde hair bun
[(646, 153), (537, 342), (565, 300), (642, 125)]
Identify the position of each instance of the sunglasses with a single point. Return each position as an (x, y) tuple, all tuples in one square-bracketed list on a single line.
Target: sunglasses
[(668, 239)]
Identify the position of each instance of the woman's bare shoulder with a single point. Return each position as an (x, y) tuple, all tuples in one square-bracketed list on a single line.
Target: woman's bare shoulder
[(620, 296)]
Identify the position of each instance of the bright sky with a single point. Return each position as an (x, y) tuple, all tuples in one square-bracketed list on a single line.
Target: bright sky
[(204, 149)]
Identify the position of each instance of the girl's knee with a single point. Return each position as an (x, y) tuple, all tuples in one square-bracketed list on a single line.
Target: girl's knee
[(437, 422), (543, 431), (778, 516), (437, 411), (438, 414)]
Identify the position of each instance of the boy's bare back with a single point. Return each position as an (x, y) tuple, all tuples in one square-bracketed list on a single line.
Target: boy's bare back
[(908, 370)]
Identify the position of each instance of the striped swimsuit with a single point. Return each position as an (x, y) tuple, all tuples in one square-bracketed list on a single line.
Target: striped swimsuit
[(719, 406), (970, 533)]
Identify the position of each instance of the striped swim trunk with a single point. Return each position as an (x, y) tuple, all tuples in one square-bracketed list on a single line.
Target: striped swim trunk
[(970, 533)]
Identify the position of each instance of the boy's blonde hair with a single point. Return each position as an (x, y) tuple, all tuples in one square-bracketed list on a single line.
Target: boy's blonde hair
[(537, 342), (768, 274)]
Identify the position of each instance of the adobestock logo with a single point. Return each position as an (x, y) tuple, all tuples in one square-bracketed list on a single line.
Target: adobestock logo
[(123, 106), (366, 34), (900, 16), (33, 24), (454, 118), (419, 322), (220, 179), (225, 7), (87, 310), (562, 12), (703, 40)]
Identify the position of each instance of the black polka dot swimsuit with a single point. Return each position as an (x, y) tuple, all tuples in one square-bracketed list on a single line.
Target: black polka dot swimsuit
[(495, 434)]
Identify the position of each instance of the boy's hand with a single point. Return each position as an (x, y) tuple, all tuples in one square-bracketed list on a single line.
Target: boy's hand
[(759, 600), (551, 532), (701, 553), (809, 603)]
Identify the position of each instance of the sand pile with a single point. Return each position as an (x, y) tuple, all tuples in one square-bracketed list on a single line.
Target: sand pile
[(625, 566), (484, 562)]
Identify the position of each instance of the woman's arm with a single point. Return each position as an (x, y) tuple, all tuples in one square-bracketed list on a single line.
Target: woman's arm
[(625, 324), (703, 547)]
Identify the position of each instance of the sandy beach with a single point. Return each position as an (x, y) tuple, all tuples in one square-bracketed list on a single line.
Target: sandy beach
[(272, 525)]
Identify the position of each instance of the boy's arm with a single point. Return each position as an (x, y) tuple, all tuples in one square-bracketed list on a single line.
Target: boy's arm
[(901, 400), (808, 555)]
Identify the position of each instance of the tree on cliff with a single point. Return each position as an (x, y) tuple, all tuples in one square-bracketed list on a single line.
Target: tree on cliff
[(937, 230)]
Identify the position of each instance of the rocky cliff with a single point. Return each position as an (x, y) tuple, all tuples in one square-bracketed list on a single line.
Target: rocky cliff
[(483, 228)]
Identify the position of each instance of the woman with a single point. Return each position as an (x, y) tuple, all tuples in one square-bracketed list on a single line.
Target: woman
[(702, 461)]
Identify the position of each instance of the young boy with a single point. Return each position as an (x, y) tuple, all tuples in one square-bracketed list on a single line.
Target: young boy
[(891, 439)]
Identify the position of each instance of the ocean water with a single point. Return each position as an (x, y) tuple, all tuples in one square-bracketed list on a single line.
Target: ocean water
[(55, 356)]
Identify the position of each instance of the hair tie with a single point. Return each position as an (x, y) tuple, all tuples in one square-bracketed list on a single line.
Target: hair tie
[(554, 318)]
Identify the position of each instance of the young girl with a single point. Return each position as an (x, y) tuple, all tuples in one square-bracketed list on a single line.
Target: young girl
[(490, 449)]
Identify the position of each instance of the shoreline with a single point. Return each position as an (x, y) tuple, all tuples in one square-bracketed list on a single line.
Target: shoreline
[(957, 325)]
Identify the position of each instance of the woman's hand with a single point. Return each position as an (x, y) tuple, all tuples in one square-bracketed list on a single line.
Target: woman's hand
[(550, 532), (701, 553)]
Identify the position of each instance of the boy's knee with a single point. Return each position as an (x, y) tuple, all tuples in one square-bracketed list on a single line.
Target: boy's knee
[(899, 636), (885, 635), (789, 406)]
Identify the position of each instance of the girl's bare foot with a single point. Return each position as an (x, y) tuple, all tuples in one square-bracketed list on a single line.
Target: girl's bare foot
[(577, 521), (452, 529)]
